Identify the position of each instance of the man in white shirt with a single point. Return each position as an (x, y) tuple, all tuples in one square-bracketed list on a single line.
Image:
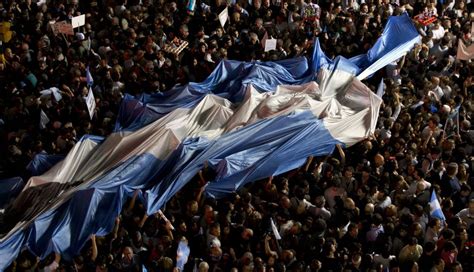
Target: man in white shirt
[(438, 31), (436, 89), (383, 200), (433, 231), (467, 214)]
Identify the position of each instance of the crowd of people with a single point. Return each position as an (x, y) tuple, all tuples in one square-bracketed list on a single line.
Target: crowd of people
[(365, 208)]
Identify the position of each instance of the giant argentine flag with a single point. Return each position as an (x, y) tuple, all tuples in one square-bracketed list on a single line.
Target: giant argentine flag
[(247, 121)]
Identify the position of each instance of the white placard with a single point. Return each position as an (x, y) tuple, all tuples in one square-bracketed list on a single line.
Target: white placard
[(275, 230), (78, 21), (90, 101), (223, 16), (44, 120), (270, 44)]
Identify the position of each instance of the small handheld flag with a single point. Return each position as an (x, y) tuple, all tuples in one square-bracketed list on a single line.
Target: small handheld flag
[(89, 78), (435, 208)]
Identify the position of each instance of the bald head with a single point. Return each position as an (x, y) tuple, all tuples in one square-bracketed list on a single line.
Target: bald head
[(369, 208), (379, 160)]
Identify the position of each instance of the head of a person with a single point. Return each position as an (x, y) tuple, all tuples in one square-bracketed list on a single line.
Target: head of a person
[(246, 234), (353, 230), (379, 160), (319, 201), (413, 242), (127, 254), (330, 246), (236, 17), (435, 224), (257, 4), (215, 229), (433, 122), (435, 152), (420, 187), (208, 213), (377, 219), (465, 190), (452, 169), (285, 202), (366, 172), (247, 258), (203, 266), (184, 31), (348, 172), (193, 207), (471, 206), (418, 174)]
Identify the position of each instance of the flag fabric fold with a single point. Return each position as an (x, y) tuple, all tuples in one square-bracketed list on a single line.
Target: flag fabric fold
[(399, 37), (42, 162), (182, 254)]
